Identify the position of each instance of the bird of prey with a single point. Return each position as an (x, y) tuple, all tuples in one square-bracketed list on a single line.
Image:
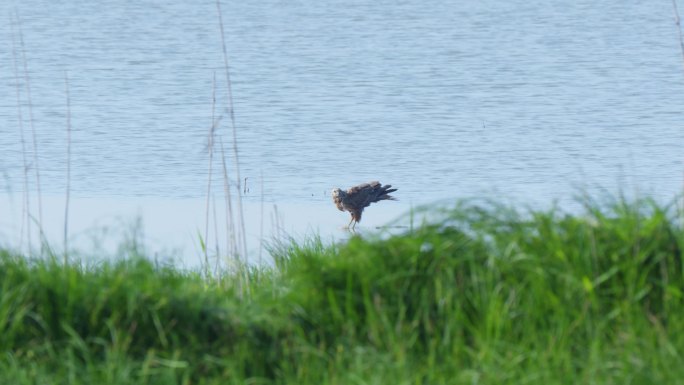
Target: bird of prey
[(359, 197)]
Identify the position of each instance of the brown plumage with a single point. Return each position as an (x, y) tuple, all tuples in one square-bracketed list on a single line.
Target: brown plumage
[(359, 197)]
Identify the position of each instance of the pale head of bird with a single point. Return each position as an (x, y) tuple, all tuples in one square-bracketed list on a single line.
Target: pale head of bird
[(336, 192)]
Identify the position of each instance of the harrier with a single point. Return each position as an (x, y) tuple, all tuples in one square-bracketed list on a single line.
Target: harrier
[(359, 197)]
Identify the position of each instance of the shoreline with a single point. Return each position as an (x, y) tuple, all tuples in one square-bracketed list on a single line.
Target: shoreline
[(170, 226)]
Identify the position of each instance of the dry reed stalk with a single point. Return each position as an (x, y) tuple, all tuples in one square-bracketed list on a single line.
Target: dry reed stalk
[(242, 281), (210, 148), (679, 28), (27, 83), (277, 224), (681, 47), (261, 218), (231, 242), (25, 204), (216, 243), (234, 129), (68, 176)]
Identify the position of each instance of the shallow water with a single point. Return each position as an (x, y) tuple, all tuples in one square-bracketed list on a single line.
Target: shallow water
[(170, 229), (528, 101)]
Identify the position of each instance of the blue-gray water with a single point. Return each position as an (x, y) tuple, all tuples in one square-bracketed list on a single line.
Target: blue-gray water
[(530, 100)]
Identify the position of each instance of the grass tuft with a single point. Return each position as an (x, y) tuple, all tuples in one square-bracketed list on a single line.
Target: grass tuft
[(486, 294)]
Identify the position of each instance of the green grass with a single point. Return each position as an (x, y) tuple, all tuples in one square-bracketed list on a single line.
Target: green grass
[(486, 294)]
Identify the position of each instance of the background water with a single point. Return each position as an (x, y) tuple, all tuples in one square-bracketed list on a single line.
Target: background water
[(527, 100)]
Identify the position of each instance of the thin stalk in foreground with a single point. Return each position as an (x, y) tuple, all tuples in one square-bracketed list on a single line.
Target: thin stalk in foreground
[(261, 219), (679, 28), (230, 227), (26, 204), (27, 81), (68, 175), (232, 122), (217, 250), (210, 148)]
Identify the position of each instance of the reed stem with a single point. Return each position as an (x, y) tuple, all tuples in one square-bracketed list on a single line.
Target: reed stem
[(679, 28), (210, 148), (36, 168), (26, 202), (231, 112), (68, 174)]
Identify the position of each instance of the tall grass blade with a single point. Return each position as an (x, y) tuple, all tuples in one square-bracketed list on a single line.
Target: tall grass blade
[(231, 112), (231, 239), (36, 168), (679, 28), (68, 173), (210, 148), (26, 201)]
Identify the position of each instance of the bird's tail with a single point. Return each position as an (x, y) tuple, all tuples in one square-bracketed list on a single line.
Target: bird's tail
[(385, 191)]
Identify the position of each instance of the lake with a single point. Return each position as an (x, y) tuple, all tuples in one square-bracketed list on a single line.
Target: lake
[(527, 101)]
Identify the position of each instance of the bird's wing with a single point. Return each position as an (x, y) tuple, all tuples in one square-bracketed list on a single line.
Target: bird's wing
[(364, 194)]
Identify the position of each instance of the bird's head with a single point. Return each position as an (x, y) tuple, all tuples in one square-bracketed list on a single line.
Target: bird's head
[(336, 192)]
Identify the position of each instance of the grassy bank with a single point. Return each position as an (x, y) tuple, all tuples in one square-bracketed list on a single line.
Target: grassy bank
[(484, 295)]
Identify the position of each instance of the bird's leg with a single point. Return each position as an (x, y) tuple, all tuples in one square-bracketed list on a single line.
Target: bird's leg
[(350, 222), (354, 225)]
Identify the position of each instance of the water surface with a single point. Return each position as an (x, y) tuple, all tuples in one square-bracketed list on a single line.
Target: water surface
[(528, 100)]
